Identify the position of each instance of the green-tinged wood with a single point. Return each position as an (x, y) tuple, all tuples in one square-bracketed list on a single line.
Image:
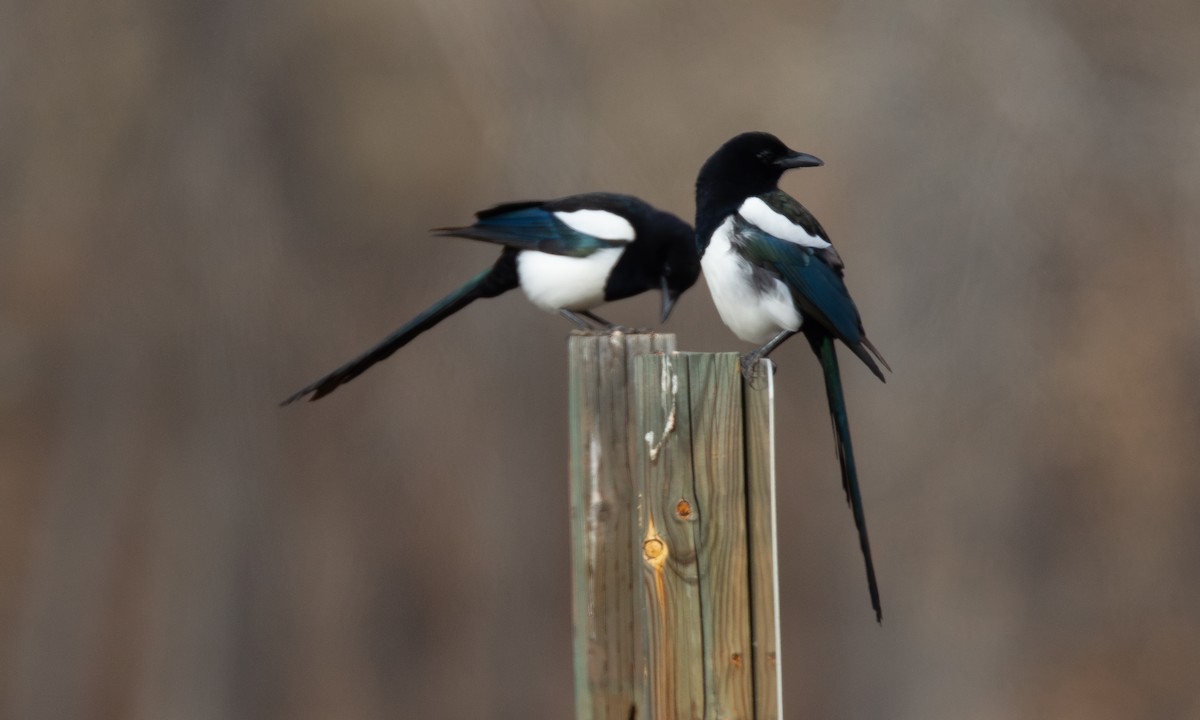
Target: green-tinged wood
[(668, 516), (758, 398), (718, 461), (698, 566), (605, 564)]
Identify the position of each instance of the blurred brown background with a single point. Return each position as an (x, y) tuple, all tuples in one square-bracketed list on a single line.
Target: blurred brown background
[(204, 206)]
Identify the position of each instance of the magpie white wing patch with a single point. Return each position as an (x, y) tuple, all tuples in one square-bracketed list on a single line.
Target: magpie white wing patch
[(755, 312), (598, 223), (558, 281), (760, 214)]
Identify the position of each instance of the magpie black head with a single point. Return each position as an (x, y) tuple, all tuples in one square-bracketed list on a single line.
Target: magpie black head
[(663, 255), (754, 158), (747, 165)]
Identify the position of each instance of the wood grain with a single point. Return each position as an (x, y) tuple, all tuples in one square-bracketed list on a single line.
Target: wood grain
[(603, 451), (758, 399), (696, 516)]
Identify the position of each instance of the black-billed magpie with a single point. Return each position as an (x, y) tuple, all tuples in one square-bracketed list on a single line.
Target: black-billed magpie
[(568, 255), (773, 272)]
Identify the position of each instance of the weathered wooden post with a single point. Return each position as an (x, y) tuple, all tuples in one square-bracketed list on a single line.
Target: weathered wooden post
[(605, 566), (675, 604), (707, 531)]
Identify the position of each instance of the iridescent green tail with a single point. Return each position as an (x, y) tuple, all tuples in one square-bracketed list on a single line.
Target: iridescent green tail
[(490, 283), (841, 431)]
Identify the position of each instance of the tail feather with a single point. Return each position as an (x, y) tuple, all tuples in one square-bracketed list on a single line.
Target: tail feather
[(860, 349), (823, 345), (878, 355), (489, 283)]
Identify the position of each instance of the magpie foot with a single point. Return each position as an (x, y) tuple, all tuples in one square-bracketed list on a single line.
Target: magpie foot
[(625, 330), (750, 365), (611, 330)]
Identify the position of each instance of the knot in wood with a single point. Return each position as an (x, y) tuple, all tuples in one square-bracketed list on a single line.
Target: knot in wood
[(683, 509), (654, 548)]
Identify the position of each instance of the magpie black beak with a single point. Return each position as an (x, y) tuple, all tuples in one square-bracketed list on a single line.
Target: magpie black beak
[(799, 160), (669, 297)]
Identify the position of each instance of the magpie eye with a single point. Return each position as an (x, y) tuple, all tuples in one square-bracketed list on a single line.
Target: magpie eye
[(764, 155)]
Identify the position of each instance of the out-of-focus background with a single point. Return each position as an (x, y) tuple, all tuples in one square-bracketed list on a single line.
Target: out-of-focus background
[(204, 206)]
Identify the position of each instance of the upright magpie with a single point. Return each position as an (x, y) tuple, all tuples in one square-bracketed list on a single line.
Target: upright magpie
[(568, 255), (773, 272)]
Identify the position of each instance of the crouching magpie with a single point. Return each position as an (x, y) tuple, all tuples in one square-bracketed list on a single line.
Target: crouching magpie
[(568, 255), (773, 272)]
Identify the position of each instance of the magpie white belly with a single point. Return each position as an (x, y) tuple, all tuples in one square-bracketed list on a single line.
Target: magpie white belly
[(755, 309), (558, 281)]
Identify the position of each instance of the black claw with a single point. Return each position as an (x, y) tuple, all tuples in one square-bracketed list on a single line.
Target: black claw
[(626, 330), (747, 363), (750, 365)]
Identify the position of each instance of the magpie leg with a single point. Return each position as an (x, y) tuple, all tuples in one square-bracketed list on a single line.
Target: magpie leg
[(596, 318), (613, 327), (750, 359), (578, 321)]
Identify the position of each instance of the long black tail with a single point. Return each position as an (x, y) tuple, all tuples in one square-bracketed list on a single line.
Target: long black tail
[(822, 345), (498, 279)]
